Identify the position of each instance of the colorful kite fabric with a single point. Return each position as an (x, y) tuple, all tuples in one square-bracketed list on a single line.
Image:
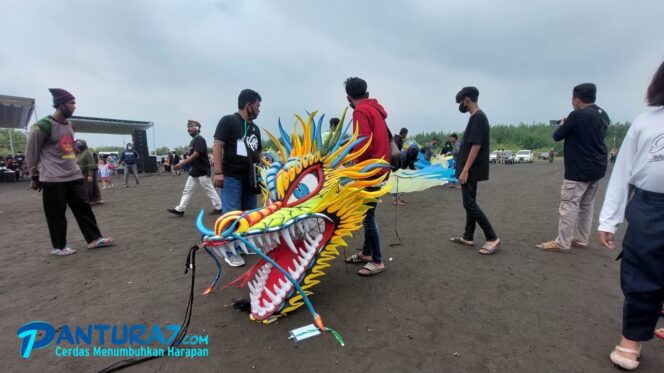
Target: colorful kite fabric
[(439, 171), (315, 197)]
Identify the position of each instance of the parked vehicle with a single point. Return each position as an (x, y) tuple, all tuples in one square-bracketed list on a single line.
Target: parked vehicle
[(510, 158), (524, 156), (543, 155), (493, 156)]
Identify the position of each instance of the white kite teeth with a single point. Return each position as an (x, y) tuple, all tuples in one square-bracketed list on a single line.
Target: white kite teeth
[(308, 233)]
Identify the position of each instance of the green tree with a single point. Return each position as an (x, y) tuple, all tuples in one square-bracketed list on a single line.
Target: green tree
[(18, 139)]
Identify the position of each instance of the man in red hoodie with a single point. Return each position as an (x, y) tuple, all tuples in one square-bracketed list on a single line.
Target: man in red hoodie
[(369, 120)]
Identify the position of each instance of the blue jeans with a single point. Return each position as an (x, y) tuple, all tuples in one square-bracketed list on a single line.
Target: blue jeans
[(371, 238), (235, 195)]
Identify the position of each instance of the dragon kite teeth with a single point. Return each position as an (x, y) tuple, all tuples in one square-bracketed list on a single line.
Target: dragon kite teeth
[(314, 197)]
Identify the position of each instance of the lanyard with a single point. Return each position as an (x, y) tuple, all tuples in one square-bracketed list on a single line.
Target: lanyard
[(245, 129)]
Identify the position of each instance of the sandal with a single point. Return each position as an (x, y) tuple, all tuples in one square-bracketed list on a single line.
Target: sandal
[(370, 269), (462, 241), (398, 202), (488, 249), (623, 362), (552, 246), (100, 242), (355, 259)]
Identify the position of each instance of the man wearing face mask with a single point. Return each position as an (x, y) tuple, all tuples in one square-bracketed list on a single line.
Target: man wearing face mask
[(50, 157), (237, 149), (473, 166), (200, 171), (129, 157)]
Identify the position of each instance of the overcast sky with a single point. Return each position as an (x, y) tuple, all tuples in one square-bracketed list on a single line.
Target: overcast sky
[(169, 61)]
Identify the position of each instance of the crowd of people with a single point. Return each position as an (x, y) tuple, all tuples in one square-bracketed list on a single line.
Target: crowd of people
[(635, 191), (15, 166)]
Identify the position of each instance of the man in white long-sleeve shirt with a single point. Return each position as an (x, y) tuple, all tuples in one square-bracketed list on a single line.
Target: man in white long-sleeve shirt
[(639, 171)]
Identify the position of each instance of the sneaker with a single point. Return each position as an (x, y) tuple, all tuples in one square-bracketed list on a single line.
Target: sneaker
[(62, 252), (125, 186), (215, 212), (176, 212), (235, 261)]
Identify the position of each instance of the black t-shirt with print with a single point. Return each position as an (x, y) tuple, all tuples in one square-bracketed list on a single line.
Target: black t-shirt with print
[(201, 165), (230, 129), (476, 133)]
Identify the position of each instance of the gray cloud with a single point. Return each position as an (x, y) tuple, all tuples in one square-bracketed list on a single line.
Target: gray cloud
[(169, 61)]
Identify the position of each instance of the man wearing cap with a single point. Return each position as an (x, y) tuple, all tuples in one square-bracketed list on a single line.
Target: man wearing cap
[(52, 163), (200, 171), (585, 155), (473, 166)]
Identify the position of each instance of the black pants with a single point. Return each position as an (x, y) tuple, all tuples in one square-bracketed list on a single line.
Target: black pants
[(474, 214), (642, 266), (56, 197)]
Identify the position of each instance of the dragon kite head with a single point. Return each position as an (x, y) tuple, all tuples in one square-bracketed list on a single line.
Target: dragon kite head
[(315, 197)]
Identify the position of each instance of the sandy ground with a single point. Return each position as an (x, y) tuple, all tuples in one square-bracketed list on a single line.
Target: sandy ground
[(438, 307)]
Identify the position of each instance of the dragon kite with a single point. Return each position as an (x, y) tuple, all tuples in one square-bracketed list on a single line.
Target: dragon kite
[(314, 198)]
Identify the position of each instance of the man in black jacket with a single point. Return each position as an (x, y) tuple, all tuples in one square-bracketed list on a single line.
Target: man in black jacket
[(585, 155)]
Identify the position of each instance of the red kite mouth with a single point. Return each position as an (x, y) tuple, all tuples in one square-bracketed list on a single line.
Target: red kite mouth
[(295, 248)]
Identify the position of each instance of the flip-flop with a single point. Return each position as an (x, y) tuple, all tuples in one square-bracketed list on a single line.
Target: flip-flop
[(101, 242), (355, 259), (488, 249), (462, 241), (552, 246), (371, 268)]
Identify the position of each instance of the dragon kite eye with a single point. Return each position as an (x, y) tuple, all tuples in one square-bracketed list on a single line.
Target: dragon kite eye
[(307, 185)]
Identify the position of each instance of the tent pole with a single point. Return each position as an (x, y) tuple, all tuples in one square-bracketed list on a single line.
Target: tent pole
[(11, 143), (154, 140)]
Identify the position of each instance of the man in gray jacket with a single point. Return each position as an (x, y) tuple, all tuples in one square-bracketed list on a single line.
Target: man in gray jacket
[(52, 163)]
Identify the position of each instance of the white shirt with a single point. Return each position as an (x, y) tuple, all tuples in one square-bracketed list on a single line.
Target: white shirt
[(640, 162)]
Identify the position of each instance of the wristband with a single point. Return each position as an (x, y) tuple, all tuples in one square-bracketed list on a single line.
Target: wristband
[(218, 173)]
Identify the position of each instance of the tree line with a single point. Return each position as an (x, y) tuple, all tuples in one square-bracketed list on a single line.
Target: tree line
[(536, 137)]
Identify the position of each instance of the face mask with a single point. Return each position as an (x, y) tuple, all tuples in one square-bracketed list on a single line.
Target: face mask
[(463, 108), (252, 114), (129, 148)]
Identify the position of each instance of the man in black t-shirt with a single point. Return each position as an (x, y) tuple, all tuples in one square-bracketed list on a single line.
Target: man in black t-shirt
[(473, 166), (585, 155), (197, 157), (237, 149)]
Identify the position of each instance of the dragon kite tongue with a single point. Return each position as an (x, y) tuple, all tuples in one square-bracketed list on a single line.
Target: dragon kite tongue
[(314, 198), (295, 249)]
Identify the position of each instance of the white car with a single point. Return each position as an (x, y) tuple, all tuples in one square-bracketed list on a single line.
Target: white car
[(524, 156), (493, 156)]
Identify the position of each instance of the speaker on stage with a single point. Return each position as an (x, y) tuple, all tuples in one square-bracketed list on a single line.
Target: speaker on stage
[(140, 140)]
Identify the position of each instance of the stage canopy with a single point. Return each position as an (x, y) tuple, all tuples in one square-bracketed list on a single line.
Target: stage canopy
[(108, 126), (15, 112)]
